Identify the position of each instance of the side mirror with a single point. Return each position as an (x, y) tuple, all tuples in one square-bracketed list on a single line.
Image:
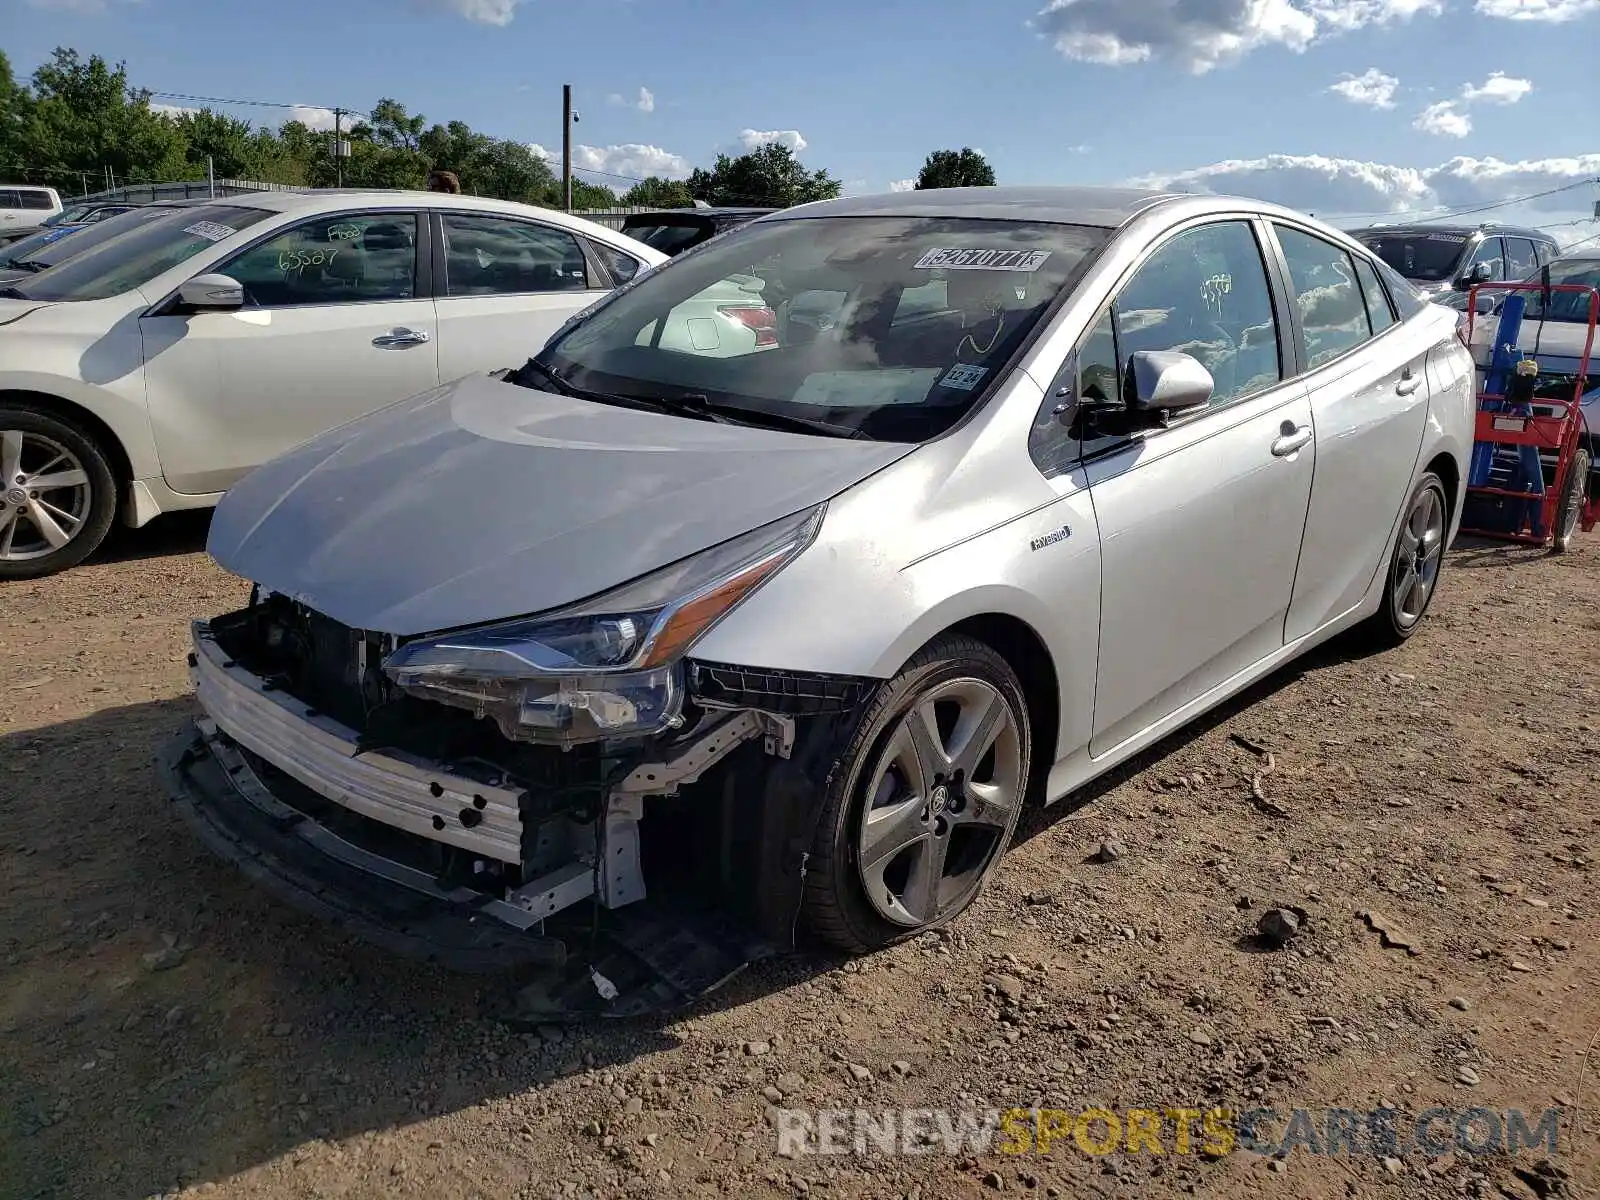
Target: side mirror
[(1165, 380), (1480, 273), (211, 292)]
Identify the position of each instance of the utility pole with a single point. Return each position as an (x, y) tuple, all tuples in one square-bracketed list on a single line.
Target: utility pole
[(338, 145), (567, 117)]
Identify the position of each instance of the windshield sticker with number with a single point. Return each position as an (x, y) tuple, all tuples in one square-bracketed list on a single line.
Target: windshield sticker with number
[(964, 377), (210, 230), (956, 259)]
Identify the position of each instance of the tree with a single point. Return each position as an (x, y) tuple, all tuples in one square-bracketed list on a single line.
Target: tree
[(955, 168), (770, 176), (229, 142), (85, 117), (656, 192)]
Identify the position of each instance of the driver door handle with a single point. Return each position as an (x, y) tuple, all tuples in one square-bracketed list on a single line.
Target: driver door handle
[(400, 338), (1290, 438), (1408, 383)]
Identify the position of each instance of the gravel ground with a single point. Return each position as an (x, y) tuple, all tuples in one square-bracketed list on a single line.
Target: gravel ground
[(166, 1028)]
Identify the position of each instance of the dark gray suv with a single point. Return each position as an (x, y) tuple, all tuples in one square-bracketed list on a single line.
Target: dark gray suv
[(1444, 261)]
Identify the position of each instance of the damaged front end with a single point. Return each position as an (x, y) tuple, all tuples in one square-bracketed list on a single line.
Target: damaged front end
[(496, 800)]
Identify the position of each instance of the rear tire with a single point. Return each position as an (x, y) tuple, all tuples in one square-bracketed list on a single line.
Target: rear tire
[(1570, 507), (47, 529), (1415, 565), (943, 793)]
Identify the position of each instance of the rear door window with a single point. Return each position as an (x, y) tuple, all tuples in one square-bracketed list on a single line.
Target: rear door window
[(1521, 261), (36, 200), (495, 256), (1333, 312), (9, 199)]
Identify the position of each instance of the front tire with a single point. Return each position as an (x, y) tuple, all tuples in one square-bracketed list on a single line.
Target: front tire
[(924, 801), (1414, 564), (58, 496)]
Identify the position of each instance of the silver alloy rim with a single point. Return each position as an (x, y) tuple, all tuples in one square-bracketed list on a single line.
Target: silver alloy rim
[(940, 799), (1574, 500), (1417, 557), (44, 495)]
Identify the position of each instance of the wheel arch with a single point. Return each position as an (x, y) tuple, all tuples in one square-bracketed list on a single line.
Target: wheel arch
[(1025, 652), (116, 453)]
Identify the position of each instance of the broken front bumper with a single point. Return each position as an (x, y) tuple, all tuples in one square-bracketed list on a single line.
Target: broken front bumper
[(275, 786)]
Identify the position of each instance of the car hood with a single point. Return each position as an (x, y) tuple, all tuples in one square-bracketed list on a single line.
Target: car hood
[(481, 500), (14, 310)]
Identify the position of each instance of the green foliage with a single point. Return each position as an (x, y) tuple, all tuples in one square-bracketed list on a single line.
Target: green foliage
[(81, 117), (656, 192), (768, 176), (955, 168)]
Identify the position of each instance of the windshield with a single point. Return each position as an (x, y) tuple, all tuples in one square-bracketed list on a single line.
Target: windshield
[(135, 250), (68, 215), (47, 249), (1420, 255), (883, 327), (1565, 306)]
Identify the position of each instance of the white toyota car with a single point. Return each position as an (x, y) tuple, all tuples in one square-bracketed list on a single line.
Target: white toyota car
[(150, 372)]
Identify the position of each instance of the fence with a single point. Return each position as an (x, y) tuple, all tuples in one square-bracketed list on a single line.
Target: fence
[(146, 193)]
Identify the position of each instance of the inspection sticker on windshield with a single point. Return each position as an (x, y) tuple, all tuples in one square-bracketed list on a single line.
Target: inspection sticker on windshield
[(964, 376), (210, 230), (954, 259)]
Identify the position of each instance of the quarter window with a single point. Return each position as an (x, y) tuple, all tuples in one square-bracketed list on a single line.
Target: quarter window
[(1333, 313), (1205, 293), (1379, 313), (1054, 440), (346, 259), (623, 267), (35, 200), (491, 256)]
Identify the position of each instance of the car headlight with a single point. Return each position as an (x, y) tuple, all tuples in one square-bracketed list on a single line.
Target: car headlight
[(608, 667)]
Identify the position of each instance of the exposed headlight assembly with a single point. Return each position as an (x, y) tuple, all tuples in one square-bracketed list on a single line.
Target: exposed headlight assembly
[(608, 667)]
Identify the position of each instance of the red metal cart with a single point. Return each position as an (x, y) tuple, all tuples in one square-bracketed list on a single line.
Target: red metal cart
[(1530, 471)]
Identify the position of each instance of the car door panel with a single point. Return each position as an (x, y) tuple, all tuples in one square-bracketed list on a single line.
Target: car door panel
[(1200, 532), (229, 390), (1369, 405), (1201, 520), (506, 286)]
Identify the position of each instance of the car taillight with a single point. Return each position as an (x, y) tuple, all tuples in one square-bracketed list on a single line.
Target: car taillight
[(758, 319)]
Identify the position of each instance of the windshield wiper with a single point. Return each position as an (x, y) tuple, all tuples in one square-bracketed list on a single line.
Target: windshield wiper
[(11, 293), (563, 388), (27, 264), (698, 404)]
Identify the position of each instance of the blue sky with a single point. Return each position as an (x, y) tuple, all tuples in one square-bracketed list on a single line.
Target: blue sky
[(1336, 106)]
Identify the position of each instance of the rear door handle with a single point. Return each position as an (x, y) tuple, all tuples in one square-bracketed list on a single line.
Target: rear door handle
[(1290, 438), (1408, 383), (400, 339)]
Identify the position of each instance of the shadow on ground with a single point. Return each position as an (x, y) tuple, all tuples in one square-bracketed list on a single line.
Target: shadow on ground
[(164, 1021), (168, 535)]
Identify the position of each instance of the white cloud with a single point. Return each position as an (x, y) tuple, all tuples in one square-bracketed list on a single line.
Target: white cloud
[(1203, 34), (315, 118), (1443, 119), (902, 185), (645, 102), (630, 160), (485, 12), (171, 110), (1371, 88), (751, 138), (1321, 184), (1499, 88), (1554, 12)]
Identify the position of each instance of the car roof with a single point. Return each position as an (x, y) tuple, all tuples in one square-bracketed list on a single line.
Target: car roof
[(1488, 229), (311, 202), (1104, 206), (1582, 254)]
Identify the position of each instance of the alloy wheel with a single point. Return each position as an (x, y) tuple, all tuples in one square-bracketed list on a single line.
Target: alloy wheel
[(45, 495), (940, 801), (1418, 556)]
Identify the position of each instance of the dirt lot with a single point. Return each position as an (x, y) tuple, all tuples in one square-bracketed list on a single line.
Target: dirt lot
[(166, 1027)]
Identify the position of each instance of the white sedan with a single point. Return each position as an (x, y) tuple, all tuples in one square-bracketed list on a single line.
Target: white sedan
[(149, 373)]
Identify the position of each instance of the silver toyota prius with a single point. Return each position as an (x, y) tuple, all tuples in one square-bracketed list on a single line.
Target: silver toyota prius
[(674, 640)]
